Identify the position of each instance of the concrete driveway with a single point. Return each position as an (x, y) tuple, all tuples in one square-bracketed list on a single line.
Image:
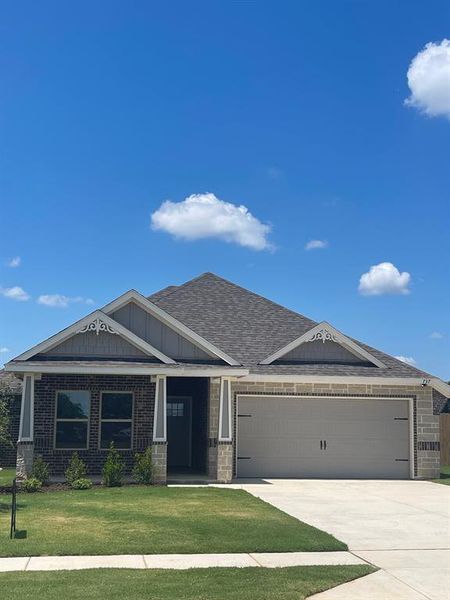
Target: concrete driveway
[(403, 527)]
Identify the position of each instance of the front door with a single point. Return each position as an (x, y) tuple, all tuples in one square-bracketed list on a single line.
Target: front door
[(179, 431)]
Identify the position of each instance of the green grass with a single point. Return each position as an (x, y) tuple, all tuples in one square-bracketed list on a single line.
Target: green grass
[(153, 520), (291, 583), (7, 476), (445, 476)]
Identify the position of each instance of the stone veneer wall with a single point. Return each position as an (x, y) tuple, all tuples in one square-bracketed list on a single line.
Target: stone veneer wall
[(426, 424), (213, 427), (159, 462), (44, 417), (220, 454)]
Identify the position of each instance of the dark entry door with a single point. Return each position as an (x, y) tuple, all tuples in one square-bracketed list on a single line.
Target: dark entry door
[(179, 431)]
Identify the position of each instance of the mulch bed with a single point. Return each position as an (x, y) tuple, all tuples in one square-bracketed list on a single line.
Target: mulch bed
[(54, 487)]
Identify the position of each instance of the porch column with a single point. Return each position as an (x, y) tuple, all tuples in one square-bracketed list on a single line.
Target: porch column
[(225, 438), (225, 432), (25, 443), (159, 447)]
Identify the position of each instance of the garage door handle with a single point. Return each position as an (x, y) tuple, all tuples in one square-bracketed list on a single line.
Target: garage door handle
[(321, 445), (324, 444)]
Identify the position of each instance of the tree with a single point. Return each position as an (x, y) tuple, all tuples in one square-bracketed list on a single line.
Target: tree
[(5, 402)]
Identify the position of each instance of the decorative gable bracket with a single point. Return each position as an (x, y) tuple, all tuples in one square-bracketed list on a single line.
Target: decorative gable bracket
[(322, 335), (97, 326)]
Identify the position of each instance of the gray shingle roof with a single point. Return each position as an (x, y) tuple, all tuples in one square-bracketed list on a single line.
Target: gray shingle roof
[(249, 328)]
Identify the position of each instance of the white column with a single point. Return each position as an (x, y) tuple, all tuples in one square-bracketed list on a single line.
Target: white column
[(27, 410), (225, 411), (160, 416)]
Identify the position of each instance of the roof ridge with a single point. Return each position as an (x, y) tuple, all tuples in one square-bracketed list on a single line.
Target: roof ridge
[(212, 275), (178, 287), (163, 292)]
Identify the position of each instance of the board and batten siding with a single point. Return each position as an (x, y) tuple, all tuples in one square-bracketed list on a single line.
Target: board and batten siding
[(317, 350), (90, 344), (156, 333)]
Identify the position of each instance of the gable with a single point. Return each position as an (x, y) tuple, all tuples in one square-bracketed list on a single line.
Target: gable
[(104, 328), (319, 352), (323, 343), (157, 333), (243, 324), (91, 345), (180, 327)]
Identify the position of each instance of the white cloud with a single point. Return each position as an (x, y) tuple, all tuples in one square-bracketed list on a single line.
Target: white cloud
[(436, 335), (409, 360), (61, 301), (384, 278), (15, 293), (315, 244), (14, 262), (4, 350), (203, 216), (429, 80)]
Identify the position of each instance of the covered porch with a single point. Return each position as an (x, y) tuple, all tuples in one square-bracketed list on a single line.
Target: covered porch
[(185, 415)]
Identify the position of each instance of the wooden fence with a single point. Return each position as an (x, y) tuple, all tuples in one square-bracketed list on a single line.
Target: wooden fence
[(444, 423)]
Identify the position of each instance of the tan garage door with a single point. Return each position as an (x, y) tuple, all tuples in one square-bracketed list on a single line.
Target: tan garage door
[(281, 436)]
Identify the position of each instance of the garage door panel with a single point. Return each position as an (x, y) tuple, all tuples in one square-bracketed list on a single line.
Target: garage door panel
[(387, 429), (282, 438)]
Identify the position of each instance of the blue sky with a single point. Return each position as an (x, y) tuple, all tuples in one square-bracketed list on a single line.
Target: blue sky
[(295, 110)]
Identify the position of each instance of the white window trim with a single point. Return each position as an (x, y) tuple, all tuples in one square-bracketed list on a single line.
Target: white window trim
[(125, 333), (409, 399), (229, 438), (162, 438), (88, 421), (340, 338), (100, 420), (30, 438), (167, 319)]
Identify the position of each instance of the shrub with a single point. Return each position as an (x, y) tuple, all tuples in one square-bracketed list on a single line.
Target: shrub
[(76, 469), (81, 484), (113, 468), (142, 470), (32, 485), (40, 470)]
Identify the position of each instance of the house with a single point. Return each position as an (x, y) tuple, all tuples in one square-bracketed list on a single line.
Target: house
[(223, 382)]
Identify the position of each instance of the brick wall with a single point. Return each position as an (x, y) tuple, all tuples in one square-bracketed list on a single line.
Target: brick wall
[(44, 417), (426, 423)]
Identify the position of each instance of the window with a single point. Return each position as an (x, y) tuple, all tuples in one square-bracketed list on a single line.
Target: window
[(175, 409), (116, 419), (72, 419)]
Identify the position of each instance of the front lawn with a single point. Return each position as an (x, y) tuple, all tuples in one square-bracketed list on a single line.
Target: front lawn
[(7, 476), (445, 476), (290, 583), (153, 520)]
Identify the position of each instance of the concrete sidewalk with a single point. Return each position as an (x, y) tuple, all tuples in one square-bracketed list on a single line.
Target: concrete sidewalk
[(178, 561)]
